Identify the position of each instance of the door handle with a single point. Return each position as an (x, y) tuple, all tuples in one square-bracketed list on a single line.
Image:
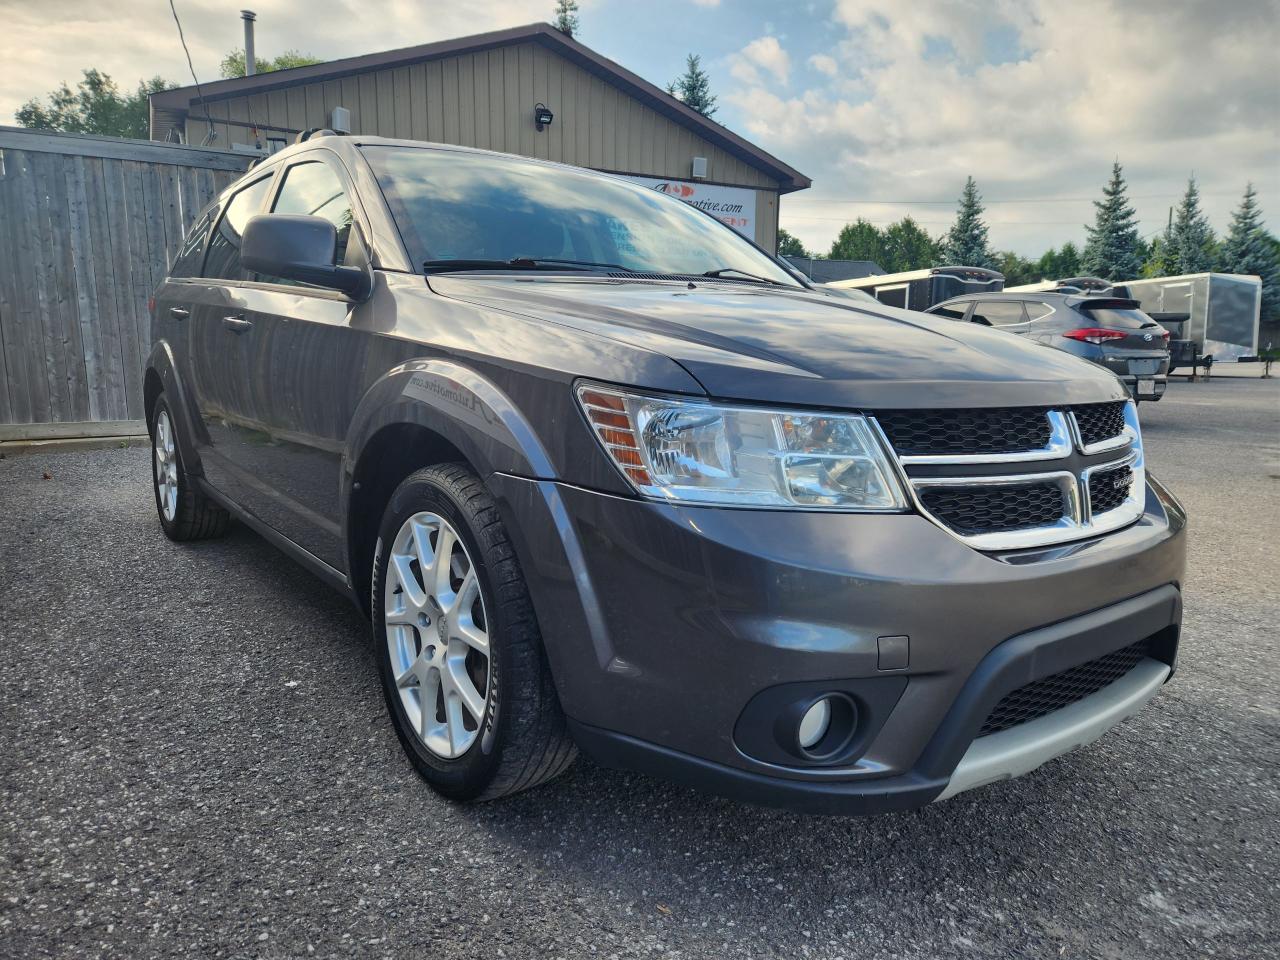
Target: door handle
[(237, 324), (179, 313)]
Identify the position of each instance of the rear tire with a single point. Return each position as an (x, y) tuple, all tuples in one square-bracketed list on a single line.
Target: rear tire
[(459, 651), (185, 512)]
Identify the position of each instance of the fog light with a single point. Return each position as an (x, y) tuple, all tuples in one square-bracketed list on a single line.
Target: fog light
[(815, 723)]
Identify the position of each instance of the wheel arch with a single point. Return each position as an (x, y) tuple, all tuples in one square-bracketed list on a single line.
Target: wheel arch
[(421, 413), (161, 376)]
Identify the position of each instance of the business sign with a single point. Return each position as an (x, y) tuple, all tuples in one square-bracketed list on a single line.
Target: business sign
[(733, 206)]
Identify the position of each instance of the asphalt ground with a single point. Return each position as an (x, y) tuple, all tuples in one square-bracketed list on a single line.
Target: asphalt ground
[(195, 761)]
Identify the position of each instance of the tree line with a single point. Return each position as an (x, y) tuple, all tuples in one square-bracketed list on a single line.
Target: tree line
[(1113, 249)]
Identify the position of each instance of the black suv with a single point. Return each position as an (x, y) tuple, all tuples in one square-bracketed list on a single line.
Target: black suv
[(606, 476), (1109, 331)]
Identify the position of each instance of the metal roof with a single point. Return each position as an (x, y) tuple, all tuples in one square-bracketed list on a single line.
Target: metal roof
[(789, 179)]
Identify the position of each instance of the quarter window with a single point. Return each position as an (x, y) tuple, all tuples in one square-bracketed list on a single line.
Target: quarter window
[(223, 259), (998, 313)]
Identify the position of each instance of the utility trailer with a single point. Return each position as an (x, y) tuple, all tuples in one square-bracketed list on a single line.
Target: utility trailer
[(1222, 309), (921, 289)]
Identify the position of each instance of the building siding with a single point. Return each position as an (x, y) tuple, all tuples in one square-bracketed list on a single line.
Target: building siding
[(485, 99)]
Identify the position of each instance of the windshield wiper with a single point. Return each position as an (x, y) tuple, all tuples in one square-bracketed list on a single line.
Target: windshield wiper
[(743, 273), (516, 263)]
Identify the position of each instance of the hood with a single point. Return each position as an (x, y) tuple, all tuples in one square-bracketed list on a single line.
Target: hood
[(751, 342)]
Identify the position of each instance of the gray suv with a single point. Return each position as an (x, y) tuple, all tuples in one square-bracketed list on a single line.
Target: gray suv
[(1110, 331), (605, 476)]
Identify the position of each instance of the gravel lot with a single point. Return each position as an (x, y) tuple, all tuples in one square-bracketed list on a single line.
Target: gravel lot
[(194, 760)]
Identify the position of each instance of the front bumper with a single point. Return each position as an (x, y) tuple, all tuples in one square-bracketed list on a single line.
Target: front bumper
[(663, 623)]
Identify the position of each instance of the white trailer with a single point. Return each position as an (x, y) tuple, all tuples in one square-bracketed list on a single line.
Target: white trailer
[(1223, 309)]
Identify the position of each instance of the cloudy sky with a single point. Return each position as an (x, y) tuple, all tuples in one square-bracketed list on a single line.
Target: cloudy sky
[(887, 105)]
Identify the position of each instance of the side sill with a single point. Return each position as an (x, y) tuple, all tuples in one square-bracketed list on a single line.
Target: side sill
[(314, 564)]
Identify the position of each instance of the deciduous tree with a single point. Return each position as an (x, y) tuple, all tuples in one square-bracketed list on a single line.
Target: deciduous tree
[(96, 106), (233, 62)]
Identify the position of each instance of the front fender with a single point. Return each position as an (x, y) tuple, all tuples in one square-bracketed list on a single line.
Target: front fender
[(458, 404)]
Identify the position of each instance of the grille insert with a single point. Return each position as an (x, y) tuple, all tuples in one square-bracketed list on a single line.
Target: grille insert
[(1099, 421), (1041, 697), (1109, 489), (998, 430), (991, 508)]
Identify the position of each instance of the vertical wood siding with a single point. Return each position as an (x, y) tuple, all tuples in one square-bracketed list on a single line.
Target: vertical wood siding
[(83, 242), (486, 99)]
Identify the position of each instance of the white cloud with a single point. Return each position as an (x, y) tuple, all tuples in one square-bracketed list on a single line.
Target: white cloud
[(53, 41), (824, 64), (706, 3), (764, 53), (1168, 87)]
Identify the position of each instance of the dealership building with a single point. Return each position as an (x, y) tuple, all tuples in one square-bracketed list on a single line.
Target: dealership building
[(529, 90)]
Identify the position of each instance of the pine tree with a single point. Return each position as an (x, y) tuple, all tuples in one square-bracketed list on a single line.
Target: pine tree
[(693, 87), (1249, 250), (966, 242), (1191, 242), (1111, 251), (567, 17)]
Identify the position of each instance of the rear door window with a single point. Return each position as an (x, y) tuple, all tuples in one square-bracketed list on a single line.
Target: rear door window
[(1038, 311), (999, 313), (191, 254), (223, 260)]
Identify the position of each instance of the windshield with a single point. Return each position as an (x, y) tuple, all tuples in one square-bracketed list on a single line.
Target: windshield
[(452, 206)]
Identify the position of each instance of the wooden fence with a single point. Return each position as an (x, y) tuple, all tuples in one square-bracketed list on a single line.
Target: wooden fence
[(88, 226)]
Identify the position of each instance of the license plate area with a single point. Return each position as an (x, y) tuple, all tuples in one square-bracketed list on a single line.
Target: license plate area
[(1146, 388), (1143, 368)]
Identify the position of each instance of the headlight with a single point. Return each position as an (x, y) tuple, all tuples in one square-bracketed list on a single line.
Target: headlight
[(698, 452)]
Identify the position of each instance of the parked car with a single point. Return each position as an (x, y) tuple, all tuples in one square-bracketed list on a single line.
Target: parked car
[(605, 476), (1109, 331)]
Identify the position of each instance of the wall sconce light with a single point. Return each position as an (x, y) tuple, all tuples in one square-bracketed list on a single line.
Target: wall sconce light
[(542, 116)]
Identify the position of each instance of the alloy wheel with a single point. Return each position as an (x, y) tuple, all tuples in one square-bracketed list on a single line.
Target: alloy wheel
[(166, 467), (437, 635)]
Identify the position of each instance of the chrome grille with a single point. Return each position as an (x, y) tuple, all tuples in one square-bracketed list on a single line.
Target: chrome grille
[(1099, 422), (991, 508), (1108, 489), (931, 432), (1011, 478)]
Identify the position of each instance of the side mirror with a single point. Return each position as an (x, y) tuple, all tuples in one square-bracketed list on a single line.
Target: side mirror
[(299, 248)]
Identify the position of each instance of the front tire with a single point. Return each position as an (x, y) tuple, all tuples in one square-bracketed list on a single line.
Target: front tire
[(185, 512), (463, 671)]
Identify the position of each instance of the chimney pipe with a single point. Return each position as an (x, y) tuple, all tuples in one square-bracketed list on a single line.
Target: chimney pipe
[(250, 64)]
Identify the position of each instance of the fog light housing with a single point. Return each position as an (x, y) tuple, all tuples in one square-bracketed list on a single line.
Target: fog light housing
[(826, 726), (815, 723)]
